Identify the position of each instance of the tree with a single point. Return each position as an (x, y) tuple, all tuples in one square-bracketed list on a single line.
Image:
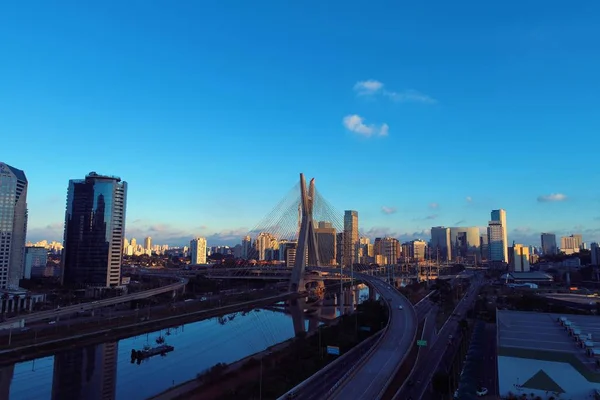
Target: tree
[(441, 383)]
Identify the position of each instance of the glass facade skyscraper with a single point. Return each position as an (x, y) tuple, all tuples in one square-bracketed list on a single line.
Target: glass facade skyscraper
[(94, 231), (350, 251), (13, 225)]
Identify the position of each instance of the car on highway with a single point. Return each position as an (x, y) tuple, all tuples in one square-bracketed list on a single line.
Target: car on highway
[(400, 308), (482, 392)]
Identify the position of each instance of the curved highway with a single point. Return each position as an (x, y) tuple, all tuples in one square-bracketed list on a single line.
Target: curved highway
[(68, 310), (370, 379)]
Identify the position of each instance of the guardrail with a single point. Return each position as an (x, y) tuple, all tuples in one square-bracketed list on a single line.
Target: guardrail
[(393, 375)]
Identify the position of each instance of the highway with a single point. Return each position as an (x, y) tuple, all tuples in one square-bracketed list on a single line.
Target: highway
[(68, 310), (370, 379), (429, 361)]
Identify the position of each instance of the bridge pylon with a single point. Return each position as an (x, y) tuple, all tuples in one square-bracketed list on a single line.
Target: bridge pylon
[(307, 249)]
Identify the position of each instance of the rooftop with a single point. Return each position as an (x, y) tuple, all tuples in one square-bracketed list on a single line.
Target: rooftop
[(540, 336)]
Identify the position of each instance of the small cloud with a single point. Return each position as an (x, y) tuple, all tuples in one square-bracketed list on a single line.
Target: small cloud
[(462, 221), (432, 216), (368, 87), (410, 96), (434, 206), (469, 199), (552, 197), (355, 123), (388, 210)]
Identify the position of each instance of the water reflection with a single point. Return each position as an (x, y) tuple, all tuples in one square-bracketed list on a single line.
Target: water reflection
[(86, 373), (105, 371)]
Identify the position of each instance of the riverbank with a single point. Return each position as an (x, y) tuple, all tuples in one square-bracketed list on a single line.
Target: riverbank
[(285, 365), (63, 342)]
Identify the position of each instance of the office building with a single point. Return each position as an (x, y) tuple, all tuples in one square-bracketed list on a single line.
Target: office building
[(498, 237), (13, 225), (326, 237), (464, 241), (595, 253), (520, 258), (263, 242), (36, 259), (496, 245), (571, 244), (483, 247), (440, 246), (198, 251), (350, 252), (339, 248), (415, 250), (94, 231), (549, 244)]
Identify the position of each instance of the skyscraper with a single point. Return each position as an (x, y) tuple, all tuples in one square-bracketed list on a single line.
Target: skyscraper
[(389, 247), (36, 258), (441, 244), (94, 231), (198, 250), (246, 247), (571, 244), (350, 251), (464, 241), (326, 243), (13, 225), (148, 245), (520, 259), (498, 244), (595, 250), (549, 244)]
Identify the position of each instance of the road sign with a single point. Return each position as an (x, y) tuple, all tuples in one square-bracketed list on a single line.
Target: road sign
[(333, 350), (421, 343)]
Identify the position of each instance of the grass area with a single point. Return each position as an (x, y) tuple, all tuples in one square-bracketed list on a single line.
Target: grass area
[(284, 369)]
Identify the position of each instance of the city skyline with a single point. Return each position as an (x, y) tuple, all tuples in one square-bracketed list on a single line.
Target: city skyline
[(287, 81)]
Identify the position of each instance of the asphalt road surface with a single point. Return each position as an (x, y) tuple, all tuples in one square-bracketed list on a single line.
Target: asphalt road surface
[(428, 363), (371, 378)]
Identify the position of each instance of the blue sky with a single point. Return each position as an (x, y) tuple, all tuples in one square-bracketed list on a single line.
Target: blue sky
[(211, 109)]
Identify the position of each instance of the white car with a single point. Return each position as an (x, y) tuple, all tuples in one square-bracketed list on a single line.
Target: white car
[(482, 392), (400, 308)]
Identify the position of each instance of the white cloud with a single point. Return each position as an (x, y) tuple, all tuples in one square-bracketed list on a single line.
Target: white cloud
[(355, 123), (373, 87), (410, 96), (388, 210), (432, 216), (434, 206), (552, 197), (368, 87), (469, 199)]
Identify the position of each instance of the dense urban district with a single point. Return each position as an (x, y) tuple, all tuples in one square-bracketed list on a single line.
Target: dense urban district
[(314, 308)]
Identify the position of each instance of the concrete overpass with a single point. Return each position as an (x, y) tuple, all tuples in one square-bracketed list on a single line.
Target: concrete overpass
[(69, 310), (374, 373)]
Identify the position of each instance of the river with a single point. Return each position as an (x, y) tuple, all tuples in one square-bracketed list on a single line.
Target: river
[(105, 371)]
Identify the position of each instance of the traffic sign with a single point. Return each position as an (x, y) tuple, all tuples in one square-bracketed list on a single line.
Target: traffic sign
[(333, 350), (421, 343)]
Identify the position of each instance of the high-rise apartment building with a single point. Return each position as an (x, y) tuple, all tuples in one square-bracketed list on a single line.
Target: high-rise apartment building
[(198, 251), (484, 247), (339, 248), (350, 252), (520, 258), (13, 225), (498, 236), (94, 231), (326, 237), (263, 243), (389, 248), (441, 245), (148, 245), (549, 244), (571, 244), (246, 247)]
